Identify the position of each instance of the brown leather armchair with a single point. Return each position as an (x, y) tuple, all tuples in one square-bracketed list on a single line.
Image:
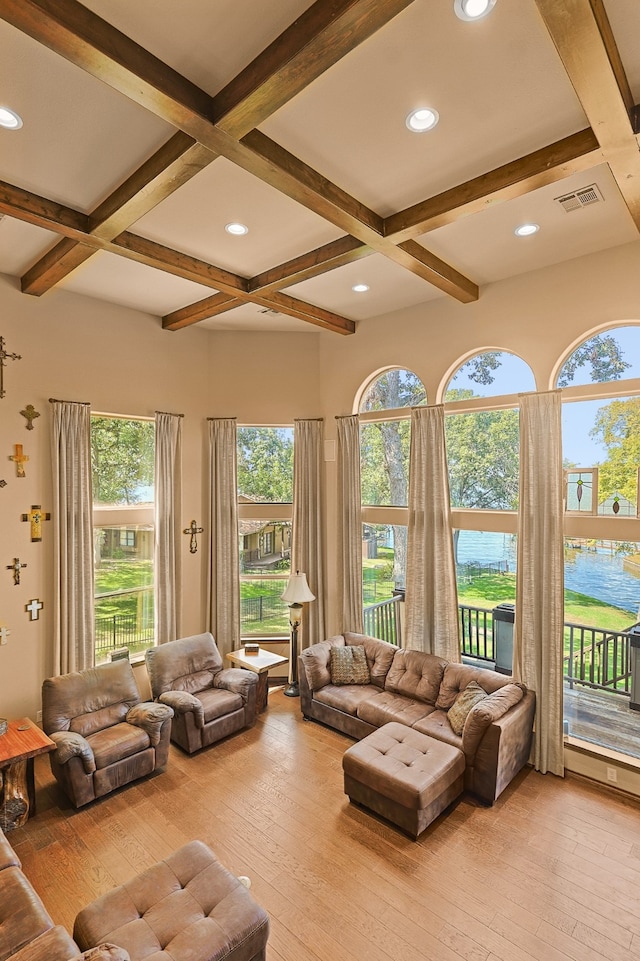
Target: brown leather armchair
[(105, 735), (209, 702)]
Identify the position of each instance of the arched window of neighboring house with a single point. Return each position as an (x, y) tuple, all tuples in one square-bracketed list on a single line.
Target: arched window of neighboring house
[(385, 433)]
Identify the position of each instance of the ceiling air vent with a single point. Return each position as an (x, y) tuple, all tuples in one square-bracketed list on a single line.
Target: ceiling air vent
[(269, 310), (580, 198)]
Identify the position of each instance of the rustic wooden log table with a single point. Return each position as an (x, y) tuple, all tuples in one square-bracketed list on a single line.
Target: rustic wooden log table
[(18, 747)]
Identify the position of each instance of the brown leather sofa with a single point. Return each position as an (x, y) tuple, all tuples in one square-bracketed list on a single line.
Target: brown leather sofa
[(105, 735), (27, 933), (418, 690), (209, 702)]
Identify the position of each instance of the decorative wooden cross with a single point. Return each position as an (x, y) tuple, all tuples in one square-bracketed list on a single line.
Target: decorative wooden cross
[(30, 413), (3, 483), (36, 517), (193, 530), (34, 606), (16, 567), (20, 460), (4, 634), (4, 357)]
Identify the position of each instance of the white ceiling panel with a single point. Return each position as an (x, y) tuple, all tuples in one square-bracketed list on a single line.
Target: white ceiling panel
[(252, 317), (21, 244)]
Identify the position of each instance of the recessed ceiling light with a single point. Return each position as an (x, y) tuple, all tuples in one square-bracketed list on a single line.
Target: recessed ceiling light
[(473, 9), (10, 119), (423, 119), (360, 288), (525, 230), (238, 230)]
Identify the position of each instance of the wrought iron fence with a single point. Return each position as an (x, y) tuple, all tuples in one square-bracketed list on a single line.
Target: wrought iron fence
[(121, 630), (260, 608), (476, 632), (597, 659)]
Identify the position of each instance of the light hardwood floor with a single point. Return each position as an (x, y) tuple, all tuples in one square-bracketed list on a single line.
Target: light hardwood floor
[(551, 872)]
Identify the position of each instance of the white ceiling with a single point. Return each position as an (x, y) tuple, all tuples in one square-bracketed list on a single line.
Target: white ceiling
[(498, 84)]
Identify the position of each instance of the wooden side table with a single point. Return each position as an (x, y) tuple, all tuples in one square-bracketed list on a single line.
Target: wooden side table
[(260, 664), (18, 747)]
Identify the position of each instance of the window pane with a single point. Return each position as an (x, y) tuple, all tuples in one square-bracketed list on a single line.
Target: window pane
[(122, 461), (265, 464), (123, 588), (486, 576), (607, 436), (384, 461), (394, 388), (384, 552), (602, 600), (490, 374), (483, 453), (265, 565), (605, 357)]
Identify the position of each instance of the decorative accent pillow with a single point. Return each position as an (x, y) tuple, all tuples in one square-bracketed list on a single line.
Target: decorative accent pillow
[(349, 665), (465, 701)]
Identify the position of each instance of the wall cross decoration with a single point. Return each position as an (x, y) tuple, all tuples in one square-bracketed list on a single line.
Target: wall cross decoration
[(34, 607), (4, 634), (30, 413), (16, 567), (4, 357), (193, 530), (20, 460), (36, 516), (3, 483)]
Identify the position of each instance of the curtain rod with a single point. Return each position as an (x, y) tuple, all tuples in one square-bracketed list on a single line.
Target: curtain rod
[(81, 403), (169, 413), (222, 418)]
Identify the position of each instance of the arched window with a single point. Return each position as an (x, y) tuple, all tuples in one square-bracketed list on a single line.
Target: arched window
[(490, 374), (607, 356), (396, 387)]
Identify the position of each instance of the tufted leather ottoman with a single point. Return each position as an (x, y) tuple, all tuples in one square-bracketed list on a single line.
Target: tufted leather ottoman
[(185, 908), (406, 777)]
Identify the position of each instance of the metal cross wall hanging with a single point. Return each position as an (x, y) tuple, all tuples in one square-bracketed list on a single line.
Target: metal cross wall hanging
[(193, 530), (30, 413), (20, 460), (16, 567), (4, 357), (34, 607)]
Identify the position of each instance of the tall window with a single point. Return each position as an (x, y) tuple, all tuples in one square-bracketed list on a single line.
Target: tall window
[(601, 455), (265, 495), (122, 462)]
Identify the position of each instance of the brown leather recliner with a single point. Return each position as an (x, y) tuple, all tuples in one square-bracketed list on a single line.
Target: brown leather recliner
[(105, 735), (209, 702)]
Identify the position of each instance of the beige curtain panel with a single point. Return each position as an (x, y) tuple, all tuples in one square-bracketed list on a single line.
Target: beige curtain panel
[(349, 523), (223, 602), (168, 509), (539, 621), (431, 601), (308, 504), (72, 516)]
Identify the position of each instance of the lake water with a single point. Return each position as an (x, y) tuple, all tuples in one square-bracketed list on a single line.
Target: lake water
[(597, 574)]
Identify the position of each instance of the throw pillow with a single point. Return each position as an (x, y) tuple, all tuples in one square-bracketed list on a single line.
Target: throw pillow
[(349, 665), (465, 701)]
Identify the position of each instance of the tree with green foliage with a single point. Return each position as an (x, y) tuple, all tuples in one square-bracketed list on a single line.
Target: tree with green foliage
[(602, 353), (385, 451), (265, 464), (617, 427), (122, 459)]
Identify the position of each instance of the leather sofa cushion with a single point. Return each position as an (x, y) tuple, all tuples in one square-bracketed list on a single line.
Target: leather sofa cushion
[(393, 707), (317, 659), (8, 857), (437, 725), (186, 664), (54, 945), (463, 704), (85, 701), (347, 698), (379, 655), (458, 676), (117, 742), (416, 674), (22, 913), (490, 709), (217, 702)]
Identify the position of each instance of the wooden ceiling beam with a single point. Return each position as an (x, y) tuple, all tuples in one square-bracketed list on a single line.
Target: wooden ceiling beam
[(41, 212), (559, 160), (583, 38), (338, 253), (79, 35), (194, 313)]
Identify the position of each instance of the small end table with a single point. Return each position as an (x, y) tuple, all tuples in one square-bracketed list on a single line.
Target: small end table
[(260, 664), (18, 747)]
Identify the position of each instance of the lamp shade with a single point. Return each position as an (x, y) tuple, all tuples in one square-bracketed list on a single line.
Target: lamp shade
[(297, 590)]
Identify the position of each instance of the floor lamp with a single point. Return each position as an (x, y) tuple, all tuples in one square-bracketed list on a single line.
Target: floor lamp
[(296, 594)]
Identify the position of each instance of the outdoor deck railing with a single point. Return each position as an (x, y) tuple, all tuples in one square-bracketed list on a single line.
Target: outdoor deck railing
[(382, 620)]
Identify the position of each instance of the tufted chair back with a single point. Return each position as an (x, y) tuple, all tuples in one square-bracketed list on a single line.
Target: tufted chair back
[(188, 664)]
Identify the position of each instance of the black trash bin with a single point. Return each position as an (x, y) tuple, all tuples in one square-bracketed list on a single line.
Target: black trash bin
[(504, 616), (634, 657)]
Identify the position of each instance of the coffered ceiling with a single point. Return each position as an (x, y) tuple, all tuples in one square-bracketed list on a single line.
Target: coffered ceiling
[(149, 126)]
